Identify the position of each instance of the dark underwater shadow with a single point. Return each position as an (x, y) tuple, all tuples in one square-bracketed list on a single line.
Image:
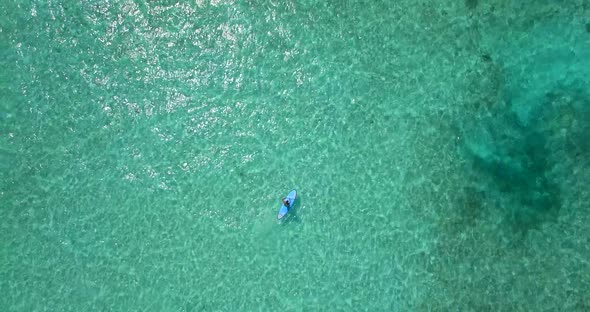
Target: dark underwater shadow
[(522, 176), (515, 169)]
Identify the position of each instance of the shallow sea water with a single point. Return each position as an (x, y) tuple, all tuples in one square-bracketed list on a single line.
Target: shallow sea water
[(440, 151)]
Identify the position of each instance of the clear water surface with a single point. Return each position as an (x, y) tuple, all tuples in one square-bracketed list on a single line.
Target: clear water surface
[(440, 150)]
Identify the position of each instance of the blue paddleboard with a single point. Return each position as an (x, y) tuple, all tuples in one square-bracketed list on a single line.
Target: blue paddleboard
[(284, 209)]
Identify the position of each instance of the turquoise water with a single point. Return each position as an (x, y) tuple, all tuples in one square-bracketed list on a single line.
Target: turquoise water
[(440, 151)]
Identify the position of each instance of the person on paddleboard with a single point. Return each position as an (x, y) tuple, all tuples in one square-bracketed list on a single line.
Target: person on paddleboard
[(288, 201)]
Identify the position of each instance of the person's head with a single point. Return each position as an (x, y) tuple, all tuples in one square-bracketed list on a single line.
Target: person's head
[(287, 202)]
